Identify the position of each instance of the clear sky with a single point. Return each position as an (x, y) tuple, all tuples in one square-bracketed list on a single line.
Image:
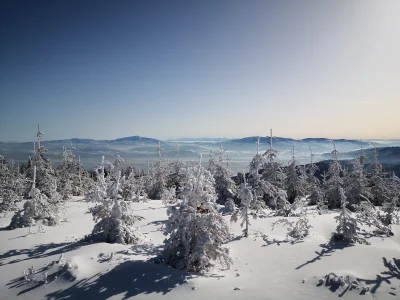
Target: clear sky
[(170, 69)]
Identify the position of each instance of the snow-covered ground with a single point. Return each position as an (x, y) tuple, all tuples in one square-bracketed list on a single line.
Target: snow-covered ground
[(265, 266)]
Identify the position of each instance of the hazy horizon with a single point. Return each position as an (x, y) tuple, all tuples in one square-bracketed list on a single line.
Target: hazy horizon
[(214, 139), (172, 69)]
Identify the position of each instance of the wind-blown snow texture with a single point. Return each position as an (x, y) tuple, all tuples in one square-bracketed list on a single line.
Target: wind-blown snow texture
[(265, 265)]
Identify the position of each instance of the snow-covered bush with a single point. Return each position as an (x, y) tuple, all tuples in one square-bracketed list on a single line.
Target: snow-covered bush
[(369, 215), (296, 230), (230, 205), (196, 230), (61, 268)]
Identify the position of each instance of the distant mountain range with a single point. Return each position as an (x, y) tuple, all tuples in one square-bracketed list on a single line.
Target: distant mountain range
[(142, 150), (250, 139)]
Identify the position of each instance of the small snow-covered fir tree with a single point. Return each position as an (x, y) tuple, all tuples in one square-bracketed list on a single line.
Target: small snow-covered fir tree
[(378, 181), (334, 183), (390, 207), (295, 180), (115, 220), (272, 177), (196, 230), (37, 209), (98, 191), (159, 177), (46, 180), (211, 162), (266, 176), (65, 174), (248, 202), (255, 165), (11, 186), (315, 194), (347, 228), (322, 203), (133, 187), (356, 182), (224, 185), (176, 175)]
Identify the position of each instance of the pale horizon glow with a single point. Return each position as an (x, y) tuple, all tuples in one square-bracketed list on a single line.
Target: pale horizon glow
[(174, 69)]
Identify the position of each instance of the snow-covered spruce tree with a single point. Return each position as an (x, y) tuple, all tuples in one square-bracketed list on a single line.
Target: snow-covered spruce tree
[(98, 191), (378, 181), (315, 194), (295, 180), (255, 166), (272, 178), (273, 168), (46, 180), (11, 186), (36, 209), (356, 182), (322, 203), (335, 181), (211, 162), (132, 187), (347, 228), (65, 174), (176, 175), (160, 177), (196, 230), (250, 205), (224, 185), (115, 220), (390, 208), (159, 180)]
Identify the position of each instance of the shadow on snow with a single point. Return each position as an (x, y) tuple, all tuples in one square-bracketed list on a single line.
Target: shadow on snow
[(327, 250), (392, 272), (40, 251), (129, 279)]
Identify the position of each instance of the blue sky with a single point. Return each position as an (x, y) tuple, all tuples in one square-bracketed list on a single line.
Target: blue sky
[(170, 69)]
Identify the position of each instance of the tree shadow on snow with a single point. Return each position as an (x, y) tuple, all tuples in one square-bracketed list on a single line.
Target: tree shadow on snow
[(130, 278), (147, 249), (279, 242), (327, 250), (392, 272), (40, 251)]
